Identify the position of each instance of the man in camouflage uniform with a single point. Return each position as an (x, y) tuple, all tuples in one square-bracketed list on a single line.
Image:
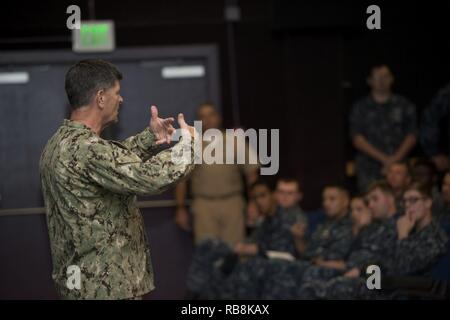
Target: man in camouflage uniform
[(214, 261), (419, 241), (433, 116), (382, 127), (90, 185)]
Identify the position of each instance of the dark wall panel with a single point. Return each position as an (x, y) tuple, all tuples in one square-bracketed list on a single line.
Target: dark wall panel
[(31, 112)]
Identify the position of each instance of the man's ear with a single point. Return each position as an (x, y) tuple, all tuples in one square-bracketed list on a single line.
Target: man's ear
[(100, 98)]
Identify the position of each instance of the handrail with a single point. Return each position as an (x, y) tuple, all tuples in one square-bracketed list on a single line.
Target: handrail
[(41, 210)]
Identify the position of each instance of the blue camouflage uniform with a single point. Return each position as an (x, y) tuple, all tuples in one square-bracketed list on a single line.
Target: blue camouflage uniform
[(413, 256), (370, 246), (262, 278), (213, 260), (438, 110), (385, 126)]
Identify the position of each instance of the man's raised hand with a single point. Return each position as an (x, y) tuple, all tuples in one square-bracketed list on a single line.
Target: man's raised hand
[(184, 126), (161, 128)]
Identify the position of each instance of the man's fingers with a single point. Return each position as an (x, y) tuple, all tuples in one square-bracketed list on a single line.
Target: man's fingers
[(154, 112), (168, 121), (181, 121), (161, 141)]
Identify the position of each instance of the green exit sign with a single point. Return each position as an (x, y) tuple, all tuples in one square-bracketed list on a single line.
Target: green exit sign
[(94, 36)]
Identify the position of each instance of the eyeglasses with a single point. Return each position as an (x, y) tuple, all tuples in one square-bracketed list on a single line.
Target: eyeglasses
[(411, 200)]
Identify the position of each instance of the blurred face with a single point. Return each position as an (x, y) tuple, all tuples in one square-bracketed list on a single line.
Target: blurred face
[(398, 176), (446, 188), (379, 203), (335, 202), (209, 117), (381, 79), (360, 212), (287, 194), (111, 103), (416, 204), (252, 212), (264, 199), (423, 175)]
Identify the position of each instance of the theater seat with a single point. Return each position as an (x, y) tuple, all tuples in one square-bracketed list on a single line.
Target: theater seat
[(441, 270)]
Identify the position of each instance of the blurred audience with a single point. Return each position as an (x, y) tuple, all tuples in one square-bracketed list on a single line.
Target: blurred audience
[(397, 224), (420, 242), (214, 260)]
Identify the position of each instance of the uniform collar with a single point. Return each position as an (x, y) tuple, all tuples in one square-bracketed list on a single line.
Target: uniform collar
[(75, 124), (391, 100)]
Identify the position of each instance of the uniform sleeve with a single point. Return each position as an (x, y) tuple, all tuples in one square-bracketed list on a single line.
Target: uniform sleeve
[(410, 121), (116, 168), (373, 249), (314, 244), (356, 122), (143, 144), (254, 235), (417, 255), (281, 240), (339, 248), (432, 115), (359, 258), (334, 247)]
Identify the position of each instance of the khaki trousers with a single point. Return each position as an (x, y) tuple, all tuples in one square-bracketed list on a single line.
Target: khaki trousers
[(221, 218)]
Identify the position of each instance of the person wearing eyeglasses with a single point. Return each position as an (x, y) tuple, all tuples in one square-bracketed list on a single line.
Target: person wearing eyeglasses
[(420, 238), (419, 243)]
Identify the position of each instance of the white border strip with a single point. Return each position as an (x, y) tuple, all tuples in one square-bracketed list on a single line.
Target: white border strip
[(14, 77)]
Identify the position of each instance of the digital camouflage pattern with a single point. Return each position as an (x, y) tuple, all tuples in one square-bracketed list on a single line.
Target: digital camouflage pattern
[(385, 126), (206, 274), (438, 110), (279, 279), (412, 256), (417, 254), (89, 186), (371, 245), (330, 241)]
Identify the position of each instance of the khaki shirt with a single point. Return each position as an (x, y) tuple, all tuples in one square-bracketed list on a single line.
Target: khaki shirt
[(220, 180)]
